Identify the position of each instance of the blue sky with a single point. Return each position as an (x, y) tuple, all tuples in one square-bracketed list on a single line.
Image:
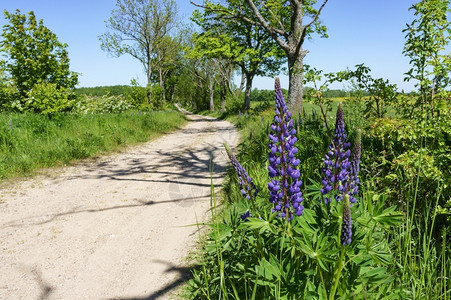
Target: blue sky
[(361, 31)]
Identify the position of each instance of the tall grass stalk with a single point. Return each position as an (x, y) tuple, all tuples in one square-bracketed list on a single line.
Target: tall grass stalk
[(424, 269)]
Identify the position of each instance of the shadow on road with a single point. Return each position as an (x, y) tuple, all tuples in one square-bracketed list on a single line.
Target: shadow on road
[(183, 274)]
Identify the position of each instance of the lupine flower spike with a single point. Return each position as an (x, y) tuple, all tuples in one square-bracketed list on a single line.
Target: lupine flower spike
[(284, 188), (248, 189), (336, 161), (346, 227), (352, 186)]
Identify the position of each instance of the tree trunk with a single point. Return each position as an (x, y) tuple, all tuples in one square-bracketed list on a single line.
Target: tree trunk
[(211, 87), (162, 88), (247, 92), (223, 94), (149, 84), (296, 84), (243, 79)]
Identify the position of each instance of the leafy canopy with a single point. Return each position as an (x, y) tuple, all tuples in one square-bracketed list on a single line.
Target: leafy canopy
[(33, 54)]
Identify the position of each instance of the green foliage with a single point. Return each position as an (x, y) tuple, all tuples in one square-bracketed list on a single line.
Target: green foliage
[(47, 99), (113, 90), (9, 97), (137, 95), (234, 104), (381, 93), (34, 55), (394, 255), (287, 23), (401, 231), (31, 141), (336, 93), (248, 46), (426, 39), (134, 94)]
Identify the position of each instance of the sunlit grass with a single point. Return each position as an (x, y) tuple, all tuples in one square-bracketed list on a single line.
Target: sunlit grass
[(31, 141)]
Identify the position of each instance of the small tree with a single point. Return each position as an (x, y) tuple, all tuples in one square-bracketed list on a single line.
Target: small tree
[(426, 39), (140, 28), (34, 55)]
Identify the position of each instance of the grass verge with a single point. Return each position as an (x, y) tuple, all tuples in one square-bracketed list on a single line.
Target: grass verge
[(30, 141)]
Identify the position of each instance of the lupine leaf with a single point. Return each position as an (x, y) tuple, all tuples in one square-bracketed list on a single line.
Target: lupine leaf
[(255, 223), (267, 270), (305, 248), (381, 257), (389, 217)]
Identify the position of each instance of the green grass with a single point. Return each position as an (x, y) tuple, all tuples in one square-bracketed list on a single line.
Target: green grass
[(29, 142)]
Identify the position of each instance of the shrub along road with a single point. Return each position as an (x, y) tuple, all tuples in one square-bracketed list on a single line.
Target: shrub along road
[(113, 227)]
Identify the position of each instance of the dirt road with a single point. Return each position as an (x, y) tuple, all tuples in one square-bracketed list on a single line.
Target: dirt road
[(113, 228)]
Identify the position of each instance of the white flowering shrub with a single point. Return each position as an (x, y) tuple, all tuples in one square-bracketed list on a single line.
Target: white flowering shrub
[(104, 104)]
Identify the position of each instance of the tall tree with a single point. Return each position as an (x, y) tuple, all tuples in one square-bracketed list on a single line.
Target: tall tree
[(139, 28), (247, 45), (284, 22), (167, 56), (206, 71), (34, 54)]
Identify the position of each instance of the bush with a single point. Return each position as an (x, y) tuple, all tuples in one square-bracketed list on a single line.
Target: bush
[(234, 104), (137, 94), (47, 99), (9, 98), (104, 104)]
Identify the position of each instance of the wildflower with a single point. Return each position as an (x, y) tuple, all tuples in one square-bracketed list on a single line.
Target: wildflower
[(336, 161), (352, 186), (285, 196), (346, 227), (244, 216), (248, 188)]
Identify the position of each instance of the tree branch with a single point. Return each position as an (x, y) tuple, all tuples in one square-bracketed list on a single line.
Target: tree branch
[(317, 14), (304, 30), (274, 32)]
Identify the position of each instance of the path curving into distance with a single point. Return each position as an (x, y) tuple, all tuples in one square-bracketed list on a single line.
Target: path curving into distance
[(114, 227)]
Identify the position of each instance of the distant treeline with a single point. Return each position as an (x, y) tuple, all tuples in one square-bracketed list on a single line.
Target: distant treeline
[(99, 91), (268, 95), (256, 94)]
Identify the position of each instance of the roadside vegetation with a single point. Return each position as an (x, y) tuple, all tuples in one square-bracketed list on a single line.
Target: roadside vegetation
[(349, 201), (29, 141), (401, 218)]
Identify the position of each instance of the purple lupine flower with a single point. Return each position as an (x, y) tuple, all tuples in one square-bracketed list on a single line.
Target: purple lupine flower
[(352, 186), (336, 161), (346, 227), (248, 188), (284, 188), (244, 216)]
